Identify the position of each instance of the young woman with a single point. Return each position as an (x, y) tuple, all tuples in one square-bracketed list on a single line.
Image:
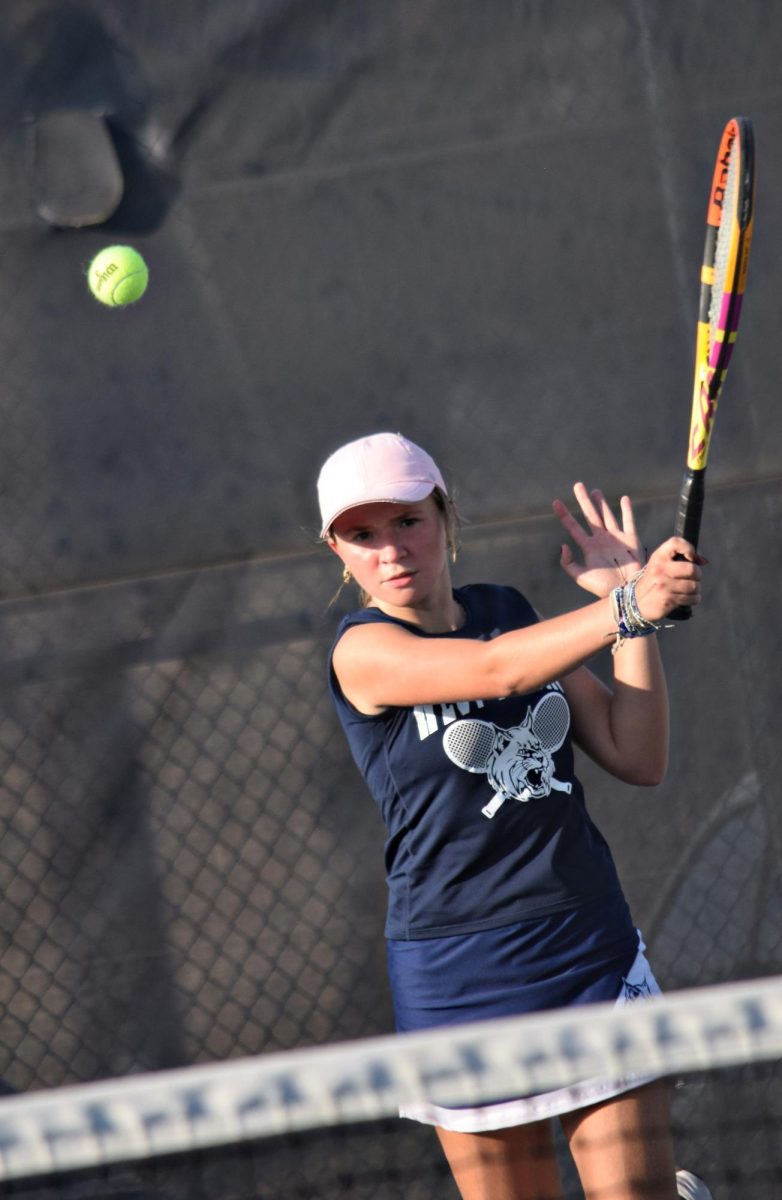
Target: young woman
[(461, 707)]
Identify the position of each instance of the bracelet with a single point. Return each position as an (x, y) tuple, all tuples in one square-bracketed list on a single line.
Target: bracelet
[(630, 621)]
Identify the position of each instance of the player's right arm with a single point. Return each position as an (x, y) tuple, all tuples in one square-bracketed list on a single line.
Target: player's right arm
[(381, 666)]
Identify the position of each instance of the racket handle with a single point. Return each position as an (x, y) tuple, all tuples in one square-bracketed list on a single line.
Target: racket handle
[(682, 613), (688, 521)]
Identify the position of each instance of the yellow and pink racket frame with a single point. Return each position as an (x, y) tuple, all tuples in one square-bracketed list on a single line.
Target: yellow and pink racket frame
[(716, 337)]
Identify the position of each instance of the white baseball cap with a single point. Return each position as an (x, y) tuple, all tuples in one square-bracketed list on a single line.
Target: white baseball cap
[(384, 467)]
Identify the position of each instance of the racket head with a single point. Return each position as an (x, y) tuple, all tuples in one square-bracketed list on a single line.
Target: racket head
[(729, 225)]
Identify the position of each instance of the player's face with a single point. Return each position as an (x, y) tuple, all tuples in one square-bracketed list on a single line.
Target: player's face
[(395, 552)]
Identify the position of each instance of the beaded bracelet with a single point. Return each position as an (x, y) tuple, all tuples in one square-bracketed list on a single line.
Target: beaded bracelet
[(630, 621)]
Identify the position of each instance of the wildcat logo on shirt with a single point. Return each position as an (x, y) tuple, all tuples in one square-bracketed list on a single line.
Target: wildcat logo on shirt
[(518, 761), (642, 990)]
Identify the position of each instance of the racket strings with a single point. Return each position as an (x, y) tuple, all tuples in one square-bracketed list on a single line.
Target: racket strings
[(724, 254), (551, 722), (469, 744)]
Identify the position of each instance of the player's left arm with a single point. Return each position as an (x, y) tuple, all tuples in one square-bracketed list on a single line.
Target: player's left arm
[(624, 728)]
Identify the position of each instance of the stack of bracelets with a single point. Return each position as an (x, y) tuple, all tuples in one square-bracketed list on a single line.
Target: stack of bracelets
[(630, 622)]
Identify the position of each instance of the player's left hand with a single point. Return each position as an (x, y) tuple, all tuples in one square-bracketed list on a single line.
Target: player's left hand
[(610, 550)]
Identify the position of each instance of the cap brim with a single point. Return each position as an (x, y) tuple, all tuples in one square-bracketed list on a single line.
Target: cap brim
[(403, 493)]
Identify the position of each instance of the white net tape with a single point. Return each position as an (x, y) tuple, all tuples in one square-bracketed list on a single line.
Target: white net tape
[(197, 1107)]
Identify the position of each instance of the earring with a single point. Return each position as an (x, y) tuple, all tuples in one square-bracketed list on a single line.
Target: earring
[(345, 575)]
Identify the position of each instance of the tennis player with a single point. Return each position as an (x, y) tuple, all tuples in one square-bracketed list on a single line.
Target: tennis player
[(461, 708)]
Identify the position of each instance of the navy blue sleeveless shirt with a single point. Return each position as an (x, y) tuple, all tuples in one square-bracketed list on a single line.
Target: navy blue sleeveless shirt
[(485, 818)]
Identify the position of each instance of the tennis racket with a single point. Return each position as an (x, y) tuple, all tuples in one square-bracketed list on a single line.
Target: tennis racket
[(723, 279)]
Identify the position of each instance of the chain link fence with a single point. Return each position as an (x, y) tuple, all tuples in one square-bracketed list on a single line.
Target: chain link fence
[(190, 868)]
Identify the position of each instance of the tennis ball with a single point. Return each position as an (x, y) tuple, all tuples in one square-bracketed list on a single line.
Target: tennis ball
[(118, 275)]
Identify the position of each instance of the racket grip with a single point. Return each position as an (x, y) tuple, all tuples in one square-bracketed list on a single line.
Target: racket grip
[(688, 515), (682, 613), (688, 521)]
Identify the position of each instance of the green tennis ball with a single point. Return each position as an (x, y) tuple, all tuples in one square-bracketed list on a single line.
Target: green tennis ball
[(118, 275)]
